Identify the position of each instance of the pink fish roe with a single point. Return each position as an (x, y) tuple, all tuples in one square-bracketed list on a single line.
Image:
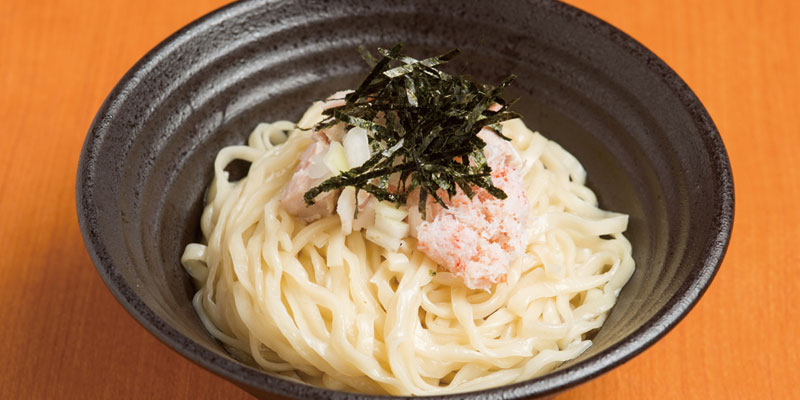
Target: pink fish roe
[(477, 239)]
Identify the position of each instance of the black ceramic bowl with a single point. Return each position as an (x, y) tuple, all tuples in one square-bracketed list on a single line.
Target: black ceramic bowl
[(649, 146)]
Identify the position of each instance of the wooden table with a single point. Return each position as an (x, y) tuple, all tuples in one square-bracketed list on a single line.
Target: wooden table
[(65, 336)]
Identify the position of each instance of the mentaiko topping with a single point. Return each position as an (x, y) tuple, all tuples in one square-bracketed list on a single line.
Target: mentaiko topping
[(418, 152)]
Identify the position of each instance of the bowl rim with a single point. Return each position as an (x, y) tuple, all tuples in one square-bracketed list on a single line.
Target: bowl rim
[(672, 312)]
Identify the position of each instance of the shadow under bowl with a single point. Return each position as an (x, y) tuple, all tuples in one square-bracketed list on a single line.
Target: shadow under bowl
[(649, 146)]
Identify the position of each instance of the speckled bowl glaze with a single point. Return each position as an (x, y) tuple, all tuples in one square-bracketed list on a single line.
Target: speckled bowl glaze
[(649, 146)]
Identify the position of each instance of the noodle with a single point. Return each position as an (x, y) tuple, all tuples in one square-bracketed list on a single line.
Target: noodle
[(308, 303)]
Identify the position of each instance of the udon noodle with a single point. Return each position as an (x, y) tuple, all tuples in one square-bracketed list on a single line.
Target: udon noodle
[(306, 302)]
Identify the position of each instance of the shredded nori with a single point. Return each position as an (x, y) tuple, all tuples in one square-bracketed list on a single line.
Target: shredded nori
[(422, 124)]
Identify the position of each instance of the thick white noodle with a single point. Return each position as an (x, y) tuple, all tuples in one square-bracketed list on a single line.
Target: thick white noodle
[(308, 303)]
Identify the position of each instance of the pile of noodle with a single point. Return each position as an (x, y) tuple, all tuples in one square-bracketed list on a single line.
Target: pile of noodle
[(306, 302)]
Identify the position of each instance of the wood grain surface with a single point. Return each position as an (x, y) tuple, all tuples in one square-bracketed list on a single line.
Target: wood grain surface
[(63, 335)]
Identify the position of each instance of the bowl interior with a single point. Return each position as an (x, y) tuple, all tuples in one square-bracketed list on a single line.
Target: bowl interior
[(648, 146)]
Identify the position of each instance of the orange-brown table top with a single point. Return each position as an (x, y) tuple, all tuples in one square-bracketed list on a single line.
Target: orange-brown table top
[(65, 336)]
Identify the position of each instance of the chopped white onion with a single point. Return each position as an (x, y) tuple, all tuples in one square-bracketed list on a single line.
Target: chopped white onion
[(389, 229), (356, 147), (389, 210), (345, 207), (335, 160)]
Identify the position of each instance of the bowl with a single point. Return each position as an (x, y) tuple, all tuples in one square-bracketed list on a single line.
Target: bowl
[(649, 146)]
